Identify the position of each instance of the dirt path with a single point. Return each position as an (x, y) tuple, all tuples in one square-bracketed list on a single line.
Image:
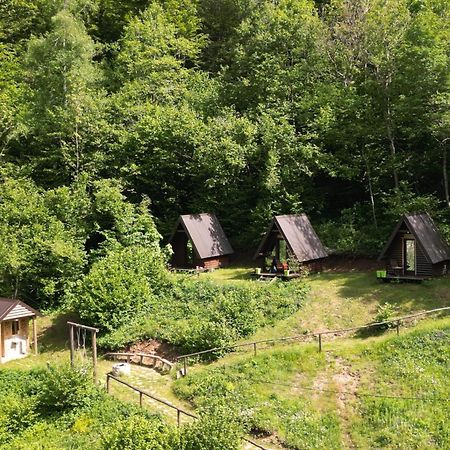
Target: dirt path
[(346, 383)]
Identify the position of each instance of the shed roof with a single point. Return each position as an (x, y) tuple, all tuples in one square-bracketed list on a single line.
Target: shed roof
[(299, 235), (206, 234), (421, 225), (8, 304)]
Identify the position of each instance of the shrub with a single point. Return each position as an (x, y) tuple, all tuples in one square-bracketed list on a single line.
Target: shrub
[(119, 287), (385, 312), (63, 388), (17, 413), (196, 314), (136, 433), (217, 429)]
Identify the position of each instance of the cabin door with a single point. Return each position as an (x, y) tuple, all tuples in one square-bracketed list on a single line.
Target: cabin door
[(409, 256)]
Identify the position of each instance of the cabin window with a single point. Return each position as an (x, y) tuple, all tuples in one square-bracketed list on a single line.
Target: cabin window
[(15, 327), (410, 255)]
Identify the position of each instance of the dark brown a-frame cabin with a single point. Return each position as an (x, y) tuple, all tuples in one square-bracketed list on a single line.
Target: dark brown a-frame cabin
[(416, 249), (198, 240), (290, 238)]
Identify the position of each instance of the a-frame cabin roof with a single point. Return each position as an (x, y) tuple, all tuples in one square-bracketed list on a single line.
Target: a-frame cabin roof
[(206, 234), (11, 309), (299, 235), (422, 227)]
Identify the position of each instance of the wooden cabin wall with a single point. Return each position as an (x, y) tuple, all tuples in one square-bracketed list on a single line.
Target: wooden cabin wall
[(423, 267), (395, 251), (314, 266), (214, 263), (6, 333)]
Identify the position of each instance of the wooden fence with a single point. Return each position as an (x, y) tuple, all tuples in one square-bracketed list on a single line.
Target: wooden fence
[(154, 359), (302, 337), (179, 411)]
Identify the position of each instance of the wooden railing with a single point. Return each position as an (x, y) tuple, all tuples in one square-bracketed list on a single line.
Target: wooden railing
[(164, 363), (179, 411), (302, 337)]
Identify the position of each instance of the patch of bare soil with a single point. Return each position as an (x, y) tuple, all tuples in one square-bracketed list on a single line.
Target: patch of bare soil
[(346, 382), (162, 349), (336, 263)]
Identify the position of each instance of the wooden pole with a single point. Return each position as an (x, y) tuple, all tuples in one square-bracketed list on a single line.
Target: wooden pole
[(94, 354), (320, 342), (35, 344), (72, 346), (140, 399), (398, 327), (185, 366), (254, 348), (107, 383)]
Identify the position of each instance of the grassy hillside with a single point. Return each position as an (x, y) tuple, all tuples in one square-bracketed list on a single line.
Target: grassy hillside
[(304, 399), (291, 395)]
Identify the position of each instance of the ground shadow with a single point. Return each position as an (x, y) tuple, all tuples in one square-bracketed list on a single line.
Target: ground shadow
[(406, 296), (55, 336)]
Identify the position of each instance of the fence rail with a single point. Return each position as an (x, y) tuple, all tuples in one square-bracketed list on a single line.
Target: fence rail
[(130, 355), (316, 334), (179, 411)]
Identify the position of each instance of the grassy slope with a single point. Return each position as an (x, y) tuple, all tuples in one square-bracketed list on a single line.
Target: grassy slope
[(341, 300), (307, 419), (336, 300), (274, 390)]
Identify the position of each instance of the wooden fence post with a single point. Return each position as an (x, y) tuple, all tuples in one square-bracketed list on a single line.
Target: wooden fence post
[(178, 418), (140, 399), (398, 327), (320, 342), (35, 344), (72, 346), (185, 366), (254, 348), (107, 383), (94, 354)]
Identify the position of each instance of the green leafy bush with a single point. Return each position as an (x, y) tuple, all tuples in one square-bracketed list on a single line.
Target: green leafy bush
[(137, 433), (195, 315), (217, 429), (63, 388), (119, 286), (385, 312)]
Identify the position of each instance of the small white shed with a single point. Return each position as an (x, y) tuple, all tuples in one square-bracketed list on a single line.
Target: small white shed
[(15, 317)]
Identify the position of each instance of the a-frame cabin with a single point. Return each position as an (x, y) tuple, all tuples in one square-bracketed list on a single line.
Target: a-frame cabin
[(290, 240), (416, 249), (198, 240)]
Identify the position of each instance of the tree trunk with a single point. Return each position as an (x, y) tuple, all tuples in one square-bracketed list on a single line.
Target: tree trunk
[(372, 198), (392, 143), (445, 174)]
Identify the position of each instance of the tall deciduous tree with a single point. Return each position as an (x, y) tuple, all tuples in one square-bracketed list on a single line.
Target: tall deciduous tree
[(66, 101)]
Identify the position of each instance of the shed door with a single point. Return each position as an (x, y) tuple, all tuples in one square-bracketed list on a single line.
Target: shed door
[(409, 259)]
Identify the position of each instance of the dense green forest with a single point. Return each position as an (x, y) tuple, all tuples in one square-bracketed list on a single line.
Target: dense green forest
[(112, 110)]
